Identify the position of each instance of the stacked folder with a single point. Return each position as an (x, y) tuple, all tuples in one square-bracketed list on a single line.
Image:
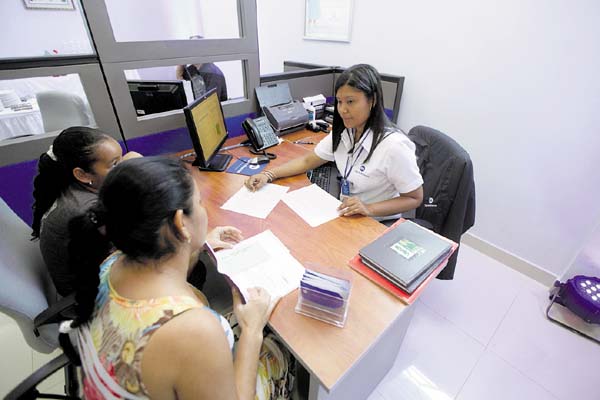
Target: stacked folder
[(324, 297), (404, 258)]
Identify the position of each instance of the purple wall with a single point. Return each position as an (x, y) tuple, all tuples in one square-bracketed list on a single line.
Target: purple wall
[(16, 180)]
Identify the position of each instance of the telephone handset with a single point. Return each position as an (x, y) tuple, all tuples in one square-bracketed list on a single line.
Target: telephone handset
[(260, 133)]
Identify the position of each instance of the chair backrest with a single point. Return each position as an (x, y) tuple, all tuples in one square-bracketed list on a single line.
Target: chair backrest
[(448, 188), (61, 109), (26, 288)]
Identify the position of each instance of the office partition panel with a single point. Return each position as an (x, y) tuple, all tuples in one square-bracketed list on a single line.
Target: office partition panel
[(392, 85), (304, 83), (112, 50), (30, 147), (290, 66), (118, 56), (134, 126)]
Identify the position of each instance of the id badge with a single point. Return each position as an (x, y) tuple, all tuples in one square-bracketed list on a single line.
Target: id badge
[(345, 189)]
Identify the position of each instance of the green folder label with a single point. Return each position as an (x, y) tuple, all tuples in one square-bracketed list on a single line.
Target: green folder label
[(407, 249)]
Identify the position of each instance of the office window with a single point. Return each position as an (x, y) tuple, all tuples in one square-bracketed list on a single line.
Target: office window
[(33, 106), (33, 32), (158, 90), (142, 20)]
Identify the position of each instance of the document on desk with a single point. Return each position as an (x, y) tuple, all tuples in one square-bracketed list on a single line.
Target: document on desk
[(256, 204), (313, 204), (261, 260)]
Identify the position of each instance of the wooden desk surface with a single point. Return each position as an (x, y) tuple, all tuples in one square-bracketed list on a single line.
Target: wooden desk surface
[(328, 352)]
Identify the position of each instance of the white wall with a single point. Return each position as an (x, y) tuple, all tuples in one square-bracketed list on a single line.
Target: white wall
[(515, 82), (32, 32), (587, 261)]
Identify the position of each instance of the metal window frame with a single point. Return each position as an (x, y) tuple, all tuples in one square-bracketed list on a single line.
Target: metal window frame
[(116, 57), (30, 147)]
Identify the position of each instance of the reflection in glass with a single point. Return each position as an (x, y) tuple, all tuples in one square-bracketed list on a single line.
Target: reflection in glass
[(32, 106), (173, 20), (147, 85), (29, 33)]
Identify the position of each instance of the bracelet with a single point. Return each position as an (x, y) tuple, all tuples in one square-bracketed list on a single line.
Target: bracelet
[(270, 175)]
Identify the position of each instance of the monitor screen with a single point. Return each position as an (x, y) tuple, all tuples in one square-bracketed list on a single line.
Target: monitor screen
[(151, 97), (206, 124)]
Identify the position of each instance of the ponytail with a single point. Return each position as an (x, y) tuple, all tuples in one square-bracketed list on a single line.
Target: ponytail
[(49, 183), (88, 247)]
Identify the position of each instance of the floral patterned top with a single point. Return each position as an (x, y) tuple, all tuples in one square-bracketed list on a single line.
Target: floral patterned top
[(119, 331)]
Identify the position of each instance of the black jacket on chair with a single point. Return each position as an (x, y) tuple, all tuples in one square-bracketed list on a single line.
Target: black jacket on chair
[(448, 188)]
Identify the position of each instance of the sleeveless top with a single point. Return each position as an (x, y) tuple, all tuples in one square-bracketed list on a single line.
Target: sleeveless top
[(112, 344)]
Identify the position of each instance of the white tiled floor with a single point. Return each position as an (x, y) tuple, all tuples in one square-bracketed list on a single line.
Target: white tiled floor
[(485, 335)]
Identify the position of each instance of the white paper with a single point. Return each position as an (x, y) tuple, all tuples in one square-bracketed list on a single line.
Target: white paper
[(313, 204), (256, 204), (262, 261)]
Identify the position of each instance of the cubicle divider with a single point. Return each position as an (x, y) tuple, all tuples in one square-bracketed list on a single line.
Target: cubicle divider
[(304, 83), (392, 85)]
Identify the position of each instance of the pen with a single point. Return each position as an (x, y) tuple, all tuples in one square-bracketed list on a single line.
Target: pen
[(302, 142), (234, 146)]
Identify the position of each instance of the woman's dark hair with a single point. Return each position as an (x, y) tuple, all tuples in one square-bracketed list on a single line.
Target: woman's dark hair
[(365, 78), (74, 147), (135, 209)]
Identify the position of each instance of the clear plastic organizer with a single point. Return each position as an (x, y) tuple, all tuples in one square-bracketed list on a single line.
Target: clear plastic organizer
[(322, 304), (326, 308)]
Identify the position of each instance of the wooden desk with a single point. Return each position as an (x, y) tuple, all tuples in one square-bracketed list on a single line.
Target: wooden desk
[(344, 363)]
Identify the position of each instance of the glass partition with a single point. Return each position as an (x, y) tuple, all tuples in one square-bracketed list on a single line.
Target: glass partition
[(36, 105), (39, 32), (163, 90), (142, 20)]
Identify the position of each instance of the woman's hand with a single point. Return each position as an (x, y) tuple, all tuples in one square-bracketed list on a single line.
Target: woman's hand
[(254, 315), (224, 237), (257, 181), (353, 206)]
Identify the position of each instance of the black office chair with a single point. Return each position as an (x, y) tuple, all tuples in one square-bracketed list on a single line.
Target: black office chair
[(448, 189), (28, 296)]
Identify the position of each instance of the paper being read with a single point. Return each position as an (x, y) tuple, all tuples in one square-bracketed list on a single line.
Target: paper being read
[(256, 204), (313, 204), (261, 260)]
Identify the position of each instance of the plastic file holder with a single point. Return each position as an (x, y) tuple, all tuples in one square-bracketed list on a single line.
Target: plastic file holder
[(324, 294), (335, 315)]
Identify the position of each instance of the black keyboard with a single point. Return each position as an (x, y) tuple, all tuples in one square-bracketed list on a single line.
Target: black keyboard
[(320, 177)]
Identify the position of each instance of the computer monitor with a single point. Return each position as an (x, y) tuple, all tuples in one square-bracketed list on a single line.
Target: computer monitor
[(151, 97), (206, 124)]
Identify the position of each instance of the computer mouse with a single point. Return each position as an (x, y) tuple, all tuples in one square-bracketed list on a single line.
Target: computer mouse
[(259, 160)]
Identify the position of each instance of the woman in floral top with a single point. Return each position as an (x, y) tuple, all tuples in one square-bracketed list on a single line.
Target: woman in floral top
[(144, 332)]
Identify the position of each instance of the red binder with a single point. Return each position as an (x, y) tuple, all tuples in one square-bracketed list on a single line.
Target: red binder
[(357, 265)]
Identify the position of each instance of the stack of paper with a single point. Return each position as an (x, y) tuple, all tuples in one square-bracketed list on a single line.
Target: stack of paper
[(261, 261)]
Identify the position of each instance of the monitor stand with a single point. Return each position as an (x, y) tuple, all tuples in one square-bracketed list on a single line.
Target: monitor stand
[(218, 163)]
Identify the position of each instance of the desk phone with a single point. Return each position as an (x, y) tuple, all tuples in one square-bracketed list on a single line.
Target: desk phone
[(260, 133)]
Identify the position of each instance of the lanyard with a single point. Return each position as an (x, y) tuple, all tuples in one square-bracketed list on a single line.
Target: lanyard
[(355, 159)]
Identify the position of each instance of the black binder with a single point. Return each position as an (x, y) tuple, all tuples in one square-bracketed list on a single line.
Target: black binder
[(405, 254)]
